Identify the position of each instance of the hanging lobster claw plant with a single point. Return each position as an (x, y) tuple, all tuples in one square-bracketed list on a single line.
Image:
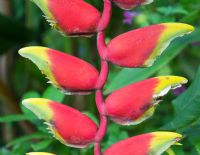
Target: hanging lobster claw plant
[(131, 104)]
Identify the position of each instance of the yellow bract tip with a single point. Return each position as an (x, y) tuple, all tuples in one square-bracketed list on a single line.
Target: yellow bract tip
[(170, 32), (166, 82), (40, 107), (39, 56), (35, 50), (161, 141), (167, 135), (180, 27)]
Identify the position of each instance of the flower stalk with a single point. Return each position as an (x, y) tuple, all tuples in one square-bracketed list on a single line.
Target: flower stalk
[(102, 49)]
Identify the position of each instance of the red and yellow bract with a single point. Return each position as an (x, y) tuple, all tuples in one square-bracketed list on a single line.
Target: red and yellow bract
[(68, 125), (62, 15), (141, 47), (136, 102), (154, 143), (70, 74)]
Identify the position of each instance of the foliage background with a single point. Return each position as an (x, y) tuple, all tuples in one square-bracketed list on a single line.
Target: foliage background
[(22, 24)]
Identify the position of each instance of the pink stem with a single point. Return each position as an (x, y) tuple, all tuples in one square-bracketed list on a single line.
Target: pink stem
[(101, 107), (101, 45), (102, 49), (103, 123), (105, 18), (103, 75)]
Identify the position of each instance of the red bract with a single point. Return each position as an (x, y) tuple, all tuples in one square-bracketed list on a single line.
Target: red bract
[(68, 125), (154, 143), (72, 17), (141, 47), (129, 4), (68, 73), (136, 102)]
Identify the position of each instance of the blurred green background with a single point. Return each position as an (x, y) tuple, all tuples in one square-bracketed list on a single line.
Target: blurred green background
[(22, 24)]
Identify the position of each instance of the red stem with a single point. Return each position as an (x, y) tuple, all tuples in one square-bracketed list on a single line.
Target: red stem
[(105, 18), (103, 123), (102, 49), (101, 107)]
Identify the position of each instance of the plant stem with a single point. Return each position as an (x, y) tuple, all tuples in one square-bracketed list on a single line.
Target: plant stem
[(102, 49), (105, 19), (100, 106), (103, 123)]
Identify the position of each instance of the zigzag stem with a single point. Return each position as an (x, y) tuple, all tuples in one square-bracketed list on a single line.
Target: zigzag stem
[(100, 102), (101, 45)]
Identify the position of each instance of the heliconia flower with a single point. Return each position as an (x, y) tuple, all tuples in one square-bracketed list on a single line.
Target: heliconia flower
[(39, 153), (154, 143), (71, 17), (68, 125), (141, 47), (129, 4), (66, 72), (137, 102)]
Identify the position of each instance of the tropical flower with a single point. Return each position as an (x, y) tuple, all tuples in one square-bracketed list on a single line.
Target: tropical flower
[(66, 72), (137, 102), (141, 47), (68, 125)]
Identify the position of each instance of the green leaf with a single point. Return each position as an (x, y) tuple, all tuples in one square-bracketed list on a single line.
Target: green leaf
[(27, 138), (14, 118), (115, 133), (194, 137), (171, 10), (127, 76), (42, 145), (53, 94), (31, 94), (187, 107)]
